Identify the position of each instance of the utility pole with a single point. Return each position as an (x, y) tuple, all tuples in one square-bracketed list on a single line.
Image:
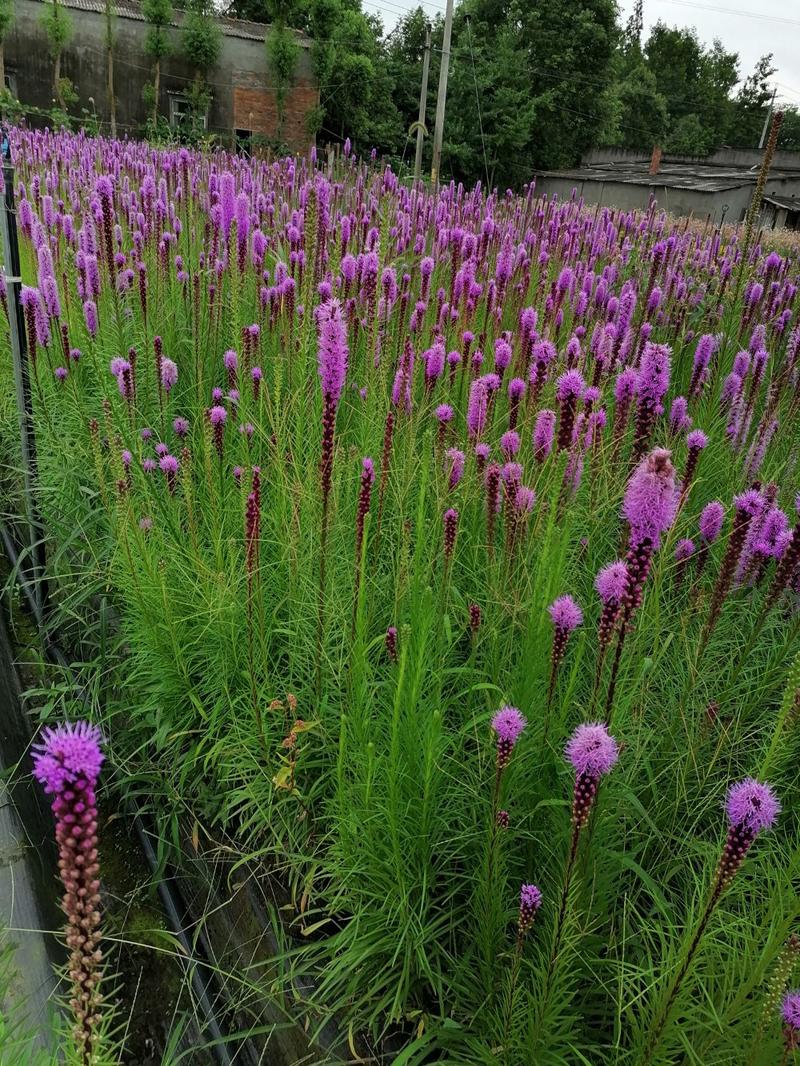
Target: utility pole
[(423, 101), (766, 120), (441, 99)]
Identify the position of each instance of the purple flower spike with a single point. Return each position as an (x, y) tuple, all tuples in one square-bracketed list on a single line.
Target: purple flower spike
[(332, 354), (543, 434), (710, 522), (611, 583), (530, 900), (651, 501), (507, 724), (592, 751), (697, 439), (169, 374)]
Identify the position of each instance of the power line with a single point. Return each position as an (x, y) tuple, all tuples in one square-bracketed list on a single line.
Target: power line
[(734, 11)]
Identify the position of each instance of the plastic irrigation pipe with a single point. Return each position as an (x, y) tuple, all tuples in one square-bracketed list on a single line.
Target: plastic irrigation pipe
[(167, 894)]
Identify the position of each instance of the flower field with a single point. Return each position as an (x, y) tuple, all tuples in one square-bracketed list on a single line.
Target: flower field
[(440, 554)]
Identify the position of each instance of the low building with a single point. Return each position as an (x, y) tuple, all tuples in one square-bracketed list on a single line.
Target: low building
[(719, 188), (243, 101)]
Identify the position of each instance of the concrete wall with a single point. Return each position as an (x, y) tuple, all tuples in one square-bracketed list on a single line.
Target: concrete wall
[(629, 197), (241, 83), (725, 157)]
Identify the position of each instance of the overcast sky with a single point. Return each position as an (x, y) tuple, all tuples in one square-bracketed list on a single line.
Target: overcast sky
[(749, 27)]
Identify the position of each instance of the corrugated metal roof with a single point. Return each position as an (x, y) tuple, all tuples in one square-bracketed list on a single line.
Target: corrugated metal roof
[(129, 9), (699, 177), (789, 203)]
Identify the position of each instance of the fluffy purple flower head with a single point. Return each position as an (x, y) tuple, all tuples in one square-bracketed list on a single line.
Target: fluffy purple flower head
[(332, 352), (161, 448), (710, 522), (592, 750), (180, 426), (482, 451), (368, 469), (217, 415), (127, 457), (69, 753), (60, 373), (752, 805), (169, 374), (684, 549), (651, 499), (697, 440), (570, 384), (625, 385), (230, 360), (679, 419), (790, 1011), (256, 373), (149, 465), (508, 723), (530, 897), (509, 443), (565, 613), (117, 365), (750, 502), (611, 583), (216, 394), (444, 413), (169, 464), (543, 432), (653, 380), (516, 389)]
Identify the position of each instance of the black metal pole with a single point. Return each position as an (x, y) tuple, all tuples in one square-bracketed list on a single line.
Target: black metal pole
[(36, 565)]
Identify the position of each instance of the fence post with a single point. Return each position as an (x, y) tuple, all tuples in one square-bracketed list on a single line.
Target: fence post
[(35, 566)]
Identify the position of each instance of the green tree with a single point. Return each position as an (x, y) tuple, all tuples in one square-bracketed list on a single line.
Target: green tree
[(158, 14), (6, 21), (201, 43), (641, 116), (57, 26), (751, 103), (282, 53)]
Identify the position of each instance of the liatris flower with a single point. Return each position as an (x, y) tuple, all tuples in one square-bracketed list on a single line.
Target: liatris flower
[(60, 373), (256, 375), (477, 407), (509, 443), (516, 390), (474, 618), (651, 387), (507, 725), (746, 507), (696, 441), (650, 500), (252, 536), (787, 567), (569, 389), (217, 416), (169, 466), (610, 583), (710, 525), (364, 497), (684, 550), (391, 643), (180, 426), (455, 465), (679, 419), (706, 347), (790, 1016), (566, 616), (90, 317), (492, 502), (751, 807), (502, 820), (67, 762), (482, 453), (444, 416), (624, 392), (592, 751), (450, 527), (543, 434), (530, 900), (169, 374), (149, 465), (332, 360)]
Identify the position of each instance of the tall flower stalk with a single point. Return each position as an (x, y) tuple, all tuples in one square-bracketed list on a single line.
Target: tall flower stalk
[(67, 762), (751, 807)]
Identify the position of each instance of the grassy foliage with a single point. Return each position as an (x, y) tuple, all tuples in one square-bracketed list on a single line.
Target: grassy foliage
[(375, 815)]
